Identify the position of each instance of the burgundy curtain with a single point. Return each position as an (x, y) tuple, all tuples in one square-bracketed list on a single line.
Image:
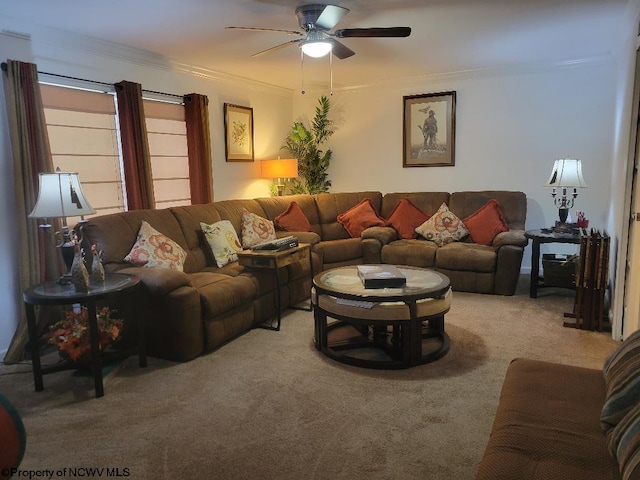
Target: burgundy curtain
[(135, 146), (37, 255), (196, 109)]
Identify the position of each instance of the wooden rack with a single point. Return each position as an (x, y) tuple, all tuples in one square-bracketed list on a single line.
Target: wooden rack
[(591, 281)]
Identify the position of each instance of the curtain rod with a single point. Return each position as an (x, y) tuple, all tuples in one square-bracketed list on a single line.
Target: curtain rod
[(104, 84)]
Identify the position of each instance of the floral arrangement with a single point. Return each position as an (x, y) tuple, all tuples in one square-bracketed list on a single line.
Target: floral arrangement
[(71, 335)]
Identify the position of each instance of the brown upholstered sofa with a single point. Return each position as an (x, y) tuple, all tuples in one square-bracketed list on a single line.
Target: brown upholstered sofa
[(195, 311), (548, 423)]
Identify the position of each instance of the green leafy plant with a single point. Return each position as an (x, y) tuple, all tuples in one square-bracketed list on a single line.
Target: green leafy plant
[(304, 144)]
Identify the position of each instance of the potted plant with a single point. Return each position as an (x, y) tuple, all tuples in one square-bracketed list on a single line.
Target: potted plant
[(304, 144)]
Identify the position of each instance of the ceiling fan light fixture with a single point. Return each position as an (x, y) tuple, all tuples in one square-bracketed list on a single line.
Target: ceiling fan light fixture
[(316, 49)]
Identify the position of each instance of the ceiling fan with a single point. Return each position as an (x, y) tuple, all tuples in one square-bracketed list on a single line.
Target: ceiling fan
[(316, 40)]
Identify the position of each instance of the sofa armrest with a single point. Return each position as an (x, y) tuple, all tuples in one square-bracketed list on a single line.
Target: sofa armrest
[(384, 235), (158, 281), (512, 237)]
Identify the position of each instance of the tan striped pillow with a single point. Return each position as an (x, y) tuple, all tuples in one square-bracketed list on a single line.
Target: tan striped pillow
[(624, 444)]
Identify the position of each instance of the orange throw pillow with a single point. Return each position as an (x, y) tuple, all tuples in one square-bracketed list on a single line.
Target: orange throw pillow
[(293, 219), (405, 218), (360, 217), (486, 223)]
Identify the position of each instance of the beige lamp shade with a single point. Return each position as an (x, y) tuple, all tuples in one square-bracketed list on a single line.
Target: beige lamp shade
[(567, 172), (60, 195), (280, 168)]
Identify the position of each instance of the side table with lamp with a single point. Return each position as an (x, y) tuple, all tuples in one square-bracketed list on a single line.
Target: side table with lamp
[(565, 175), (60, 195)]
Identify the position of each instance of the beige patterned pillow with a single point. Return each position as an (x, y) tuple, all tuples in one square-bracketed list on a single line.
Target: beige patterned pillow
[(256, 229), (155, 250), (223, 241), (443, 227)]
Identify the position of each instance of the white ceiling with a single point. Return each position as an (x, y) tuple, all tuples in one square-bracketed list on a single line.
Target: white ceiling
[(447, 35)]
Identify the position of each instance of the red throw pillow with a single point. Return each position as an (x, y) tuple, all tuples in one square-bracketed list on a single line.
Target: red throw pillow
[(358, 218), (486, 223), (405, 218), (293, 219)]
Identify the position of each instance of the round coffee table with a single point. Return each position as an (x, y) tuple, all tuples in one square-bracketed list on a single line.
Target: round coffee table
[(383, 328)]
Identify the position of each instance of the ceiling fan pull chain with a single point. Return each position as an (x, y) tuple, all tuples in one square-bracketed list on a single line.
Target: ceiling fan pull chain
[(302, 71), (331, 74)]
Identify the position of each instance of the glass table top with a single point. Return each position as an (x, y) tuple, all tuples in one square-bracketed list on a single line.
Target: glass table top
[(344, 281)]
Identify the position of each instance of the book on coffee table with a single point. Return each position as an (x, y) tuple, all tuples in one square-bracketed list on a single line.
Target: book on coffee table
[(381, 276)]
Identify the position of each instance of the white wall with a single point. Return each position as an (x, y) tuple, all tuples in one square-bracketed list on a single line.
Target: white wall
[(60, 53), (510, 127)]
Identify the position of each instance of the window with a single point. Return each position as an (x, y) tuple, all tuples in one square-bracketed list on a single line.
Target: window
[(83, 134), (83, 137), (167, 134)]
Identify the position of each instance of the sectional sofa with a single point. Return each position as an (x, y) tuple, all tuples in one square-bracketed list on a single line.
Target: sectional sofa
[(194, 309)]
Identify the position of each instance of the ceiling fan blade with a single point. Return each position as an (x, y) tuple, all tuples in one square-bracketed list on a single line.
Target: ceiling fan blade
[(254, 29), (340, 50), (330, 16), (277, 47), (373, 32)]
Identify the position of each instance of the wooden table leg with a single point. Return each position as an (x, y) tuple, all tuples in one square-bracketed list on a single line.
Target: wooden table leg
[(96, 360), (35, 348)]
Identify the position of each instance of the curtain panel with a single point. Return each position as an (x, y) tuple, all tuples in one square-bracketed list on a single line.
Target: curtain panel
[(196, 108), (135, 146), (36, 251)]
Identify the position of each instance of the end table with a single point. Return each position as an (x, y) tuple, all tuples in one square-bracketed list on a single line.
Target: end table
[(52, 293), (539, 236)]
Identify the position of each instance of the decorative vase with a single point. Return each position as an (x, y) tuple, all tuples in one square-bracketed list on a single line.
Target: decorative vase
[(79, 273), (97, 269)]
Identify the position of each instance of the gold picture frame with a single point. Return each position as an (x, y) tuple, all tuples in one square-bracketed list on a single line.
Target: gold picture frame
[(429, 130), (238, 133)]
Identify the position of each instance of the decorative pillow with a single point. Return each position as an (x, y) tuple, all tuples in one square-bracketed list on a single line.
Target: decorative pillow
[(624, 444), (486, 223), (360, 217), (293, 219), (443, 227), (223, 241), (256, 229), (405, 218), (621, 371), (155, 250)]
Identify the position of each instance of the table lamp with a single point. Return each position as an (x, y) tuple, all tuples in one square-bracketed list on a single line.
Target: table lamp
[(280, 170), (60, 196), (566, 173)]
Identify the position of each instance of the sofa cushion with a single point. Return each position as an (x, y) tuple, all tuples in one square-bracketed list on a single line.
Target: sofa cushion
[(153, 249), (546, 425), (256, 229), (405, 218), (293, 219), (621, 372), (414, 252), (485, 223), (466, 257), (223, 240), (443, 227), (360, 217)]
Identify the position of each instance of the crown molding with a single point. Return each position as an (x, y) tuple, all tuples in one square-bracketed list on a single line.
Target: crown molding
[(55, 40), (463, 75)]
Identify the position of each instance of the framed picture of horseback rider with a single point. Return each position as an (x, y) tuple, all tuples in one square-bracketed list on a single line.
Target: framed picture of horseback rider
[(429, 130)]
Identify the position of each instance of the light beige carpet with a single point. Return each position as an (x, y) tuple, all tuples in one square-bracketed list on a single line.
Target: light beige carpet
[(269, 406)]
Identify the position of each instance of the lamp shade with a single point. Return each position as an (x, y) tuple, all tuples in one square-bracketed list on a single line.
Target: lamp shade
[(60, 195), (280, 168), (567, 172)]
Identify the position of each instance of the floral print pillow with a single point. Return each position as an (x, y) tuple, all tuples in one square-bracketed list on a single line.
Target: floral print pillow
[(443, 227), (223, 241), (256, 229), (155, 250)]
